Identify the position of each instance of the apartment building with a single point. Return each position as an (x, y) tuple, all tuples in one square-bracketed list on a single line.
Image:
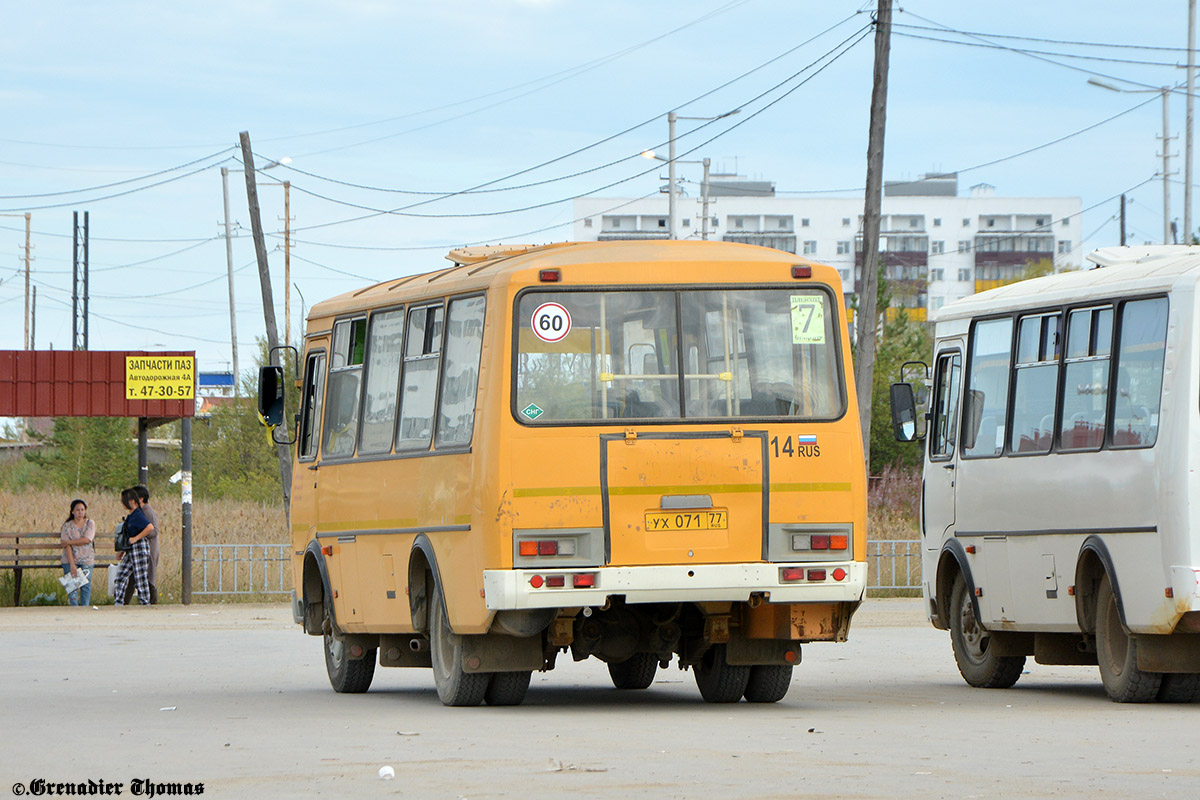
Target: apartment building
[(937, 246)]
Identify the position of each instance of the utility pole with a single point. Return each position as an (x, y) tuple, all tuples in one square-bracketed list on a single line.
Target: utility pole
[(1122, 220), (264, 279), (704, 193), (1187, 144), (287, 263), (1166, 157), (28, 339), (237, 375), (868, 314), (671, 173), (33, 321)]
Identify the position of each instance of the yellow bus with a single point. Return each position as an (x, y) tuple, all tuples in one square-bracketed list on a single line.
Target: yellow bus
[(638, 451)]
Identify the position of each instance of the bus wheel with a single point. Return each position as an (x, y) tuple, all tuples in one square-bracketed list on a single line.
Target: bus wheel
[(454, 686), (768, 683), (635, 672), (348, 675), (719, 681), (977, 661), (1117, 653), (1179, 687), (507, 688)]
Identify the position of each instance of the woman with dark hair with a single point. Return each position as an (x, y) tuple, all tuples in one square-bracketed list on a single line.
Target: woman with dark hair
[(135, 565), (79, 554)]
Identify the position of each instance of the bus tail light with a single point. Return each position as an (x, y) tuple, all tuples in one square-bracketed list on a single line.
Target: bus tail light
[(799, 271), (549, 275), (839, 574), (584, 580), (816, 574), (546, 547), (327, 550), (819, 541), (556, 581), (788, 574), (536, 581)]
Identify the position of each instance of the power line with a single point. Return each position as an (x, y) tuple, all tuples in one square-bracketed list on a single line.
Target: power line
[(116, 183), (1105, 45), (117, 194), (605, 140), (846, 45), (1026, 51), (565, 75)]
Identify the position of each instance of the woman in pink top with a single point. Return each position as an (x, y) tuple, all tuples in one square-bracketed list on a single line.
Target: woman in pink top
[(79, 555)]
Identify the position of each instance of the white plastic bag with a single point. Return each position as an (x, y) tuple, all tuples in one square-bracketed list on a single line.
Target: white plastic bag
[(112, 579)]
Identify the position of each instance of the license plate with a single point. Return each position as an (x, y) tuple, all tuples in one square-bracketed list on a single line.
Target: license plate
[(708, 519)]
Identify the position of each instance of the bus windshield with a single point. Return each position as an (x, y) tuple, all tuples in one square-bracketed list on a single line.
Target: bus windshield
[(666, 355)]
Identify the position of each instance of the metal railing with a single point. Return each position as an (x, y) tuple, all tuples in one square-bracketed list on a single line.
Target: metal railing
[(241, 569), (266, 568), (894, 564)]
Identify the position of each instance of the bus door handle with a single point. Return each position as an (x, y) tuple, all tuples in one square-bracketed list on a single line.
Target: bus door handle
[(314, 466), (944, 466)]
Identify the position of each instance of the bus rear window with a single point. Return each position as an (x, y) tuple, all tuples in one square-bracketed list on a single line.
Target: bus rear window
[(667, 355)]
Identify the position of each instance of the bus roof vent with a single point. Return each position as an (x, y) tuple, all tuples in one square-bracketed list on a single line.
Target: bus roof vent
[(474, 255)]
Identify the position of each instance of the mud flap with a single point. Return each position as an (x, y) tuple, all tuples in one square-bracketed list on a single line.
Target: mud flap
[(741, 651), (495, 653)]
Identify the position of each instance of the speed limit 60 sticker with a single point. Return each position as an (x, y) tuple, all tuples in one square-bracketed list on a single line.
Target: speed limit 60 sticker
[(551, 322)]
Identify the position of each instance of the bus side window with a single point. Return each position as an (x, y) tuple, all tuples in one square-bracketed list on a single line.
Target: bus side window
[(383, 375), (345, 377), (987, 384), (1143, 334), (945, 408), (460, 376), (1085, 379), (418, 388), (1035, 392), (310, 414)]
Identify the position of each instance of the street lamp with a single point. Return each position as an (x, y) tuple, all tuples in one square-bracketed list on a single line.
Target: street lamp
[(672, 117), (703, 191), (1165, 91)]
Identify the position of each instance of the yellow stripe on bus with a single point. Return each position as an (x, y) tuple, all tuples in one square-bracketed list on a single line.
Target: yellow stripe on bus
[(729, 488)]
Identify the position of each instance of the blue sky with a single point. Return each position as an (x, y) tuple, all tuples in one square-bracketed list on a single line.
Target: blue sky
[(446, 96)]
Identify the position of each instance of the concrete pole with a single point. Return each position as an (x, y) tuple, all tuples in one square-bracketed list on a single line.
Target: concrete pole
[(264, 278), (1187, 144), (671, 173), (143, 450), (28, 313), (287, 263), (1166, 157), (237, 376), (868, 298), (186, 488), (704, 193)]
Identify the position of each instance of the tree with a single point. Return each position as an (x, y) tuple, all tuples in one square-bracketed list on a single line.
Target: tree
[(900, 340), (88, 452)]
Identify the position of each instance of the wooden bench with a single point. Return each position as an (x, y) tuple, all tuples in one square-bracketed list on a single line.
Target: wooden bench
[(22, 551)]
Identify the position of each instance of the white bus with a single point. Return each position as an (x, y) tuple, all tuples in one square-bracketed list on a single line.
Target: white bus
[(1059, 503)]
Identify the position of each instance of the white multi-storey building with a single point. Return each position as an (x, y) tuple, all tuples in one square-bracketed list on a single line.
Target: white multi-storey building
[(937, 245)]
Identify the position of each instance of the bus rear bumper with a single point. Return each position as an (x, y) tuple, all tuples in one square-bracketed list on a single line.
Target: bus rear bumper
[(529, 588)]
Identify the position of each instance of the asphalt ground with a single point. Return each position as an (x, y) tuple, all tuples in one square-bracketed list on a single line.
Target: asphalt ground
[(235, 697)]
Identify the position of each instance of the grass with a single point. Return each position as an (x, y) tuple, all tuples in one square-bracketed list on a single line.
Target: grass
[(893, 505), (213, 522)]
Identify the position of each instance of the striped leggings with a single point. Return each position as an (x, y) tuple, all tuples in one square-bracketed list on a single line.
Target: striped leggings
[(135, 566)]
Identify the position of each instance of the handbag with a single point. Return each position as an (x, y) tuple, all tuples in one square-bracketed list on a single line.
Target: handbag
[(121, 539)]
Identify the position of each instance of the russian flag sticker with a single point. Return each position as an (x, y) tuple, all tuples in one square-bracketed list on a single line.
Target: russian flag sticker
[(802, 438)]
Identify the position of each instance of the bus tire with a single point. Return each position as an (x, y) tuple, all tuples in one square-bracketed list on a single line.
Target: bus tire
[(635, 672), (1179, 687), (718, 680), (346, 675), (455, 687), (977, 661), (768, 683), (1116, 652), (507, 688)]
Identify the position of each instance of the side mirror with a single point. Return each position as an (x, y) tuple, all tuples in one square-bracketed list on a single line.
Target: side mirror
[(904, 413), (270, 395), (973, 416)]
